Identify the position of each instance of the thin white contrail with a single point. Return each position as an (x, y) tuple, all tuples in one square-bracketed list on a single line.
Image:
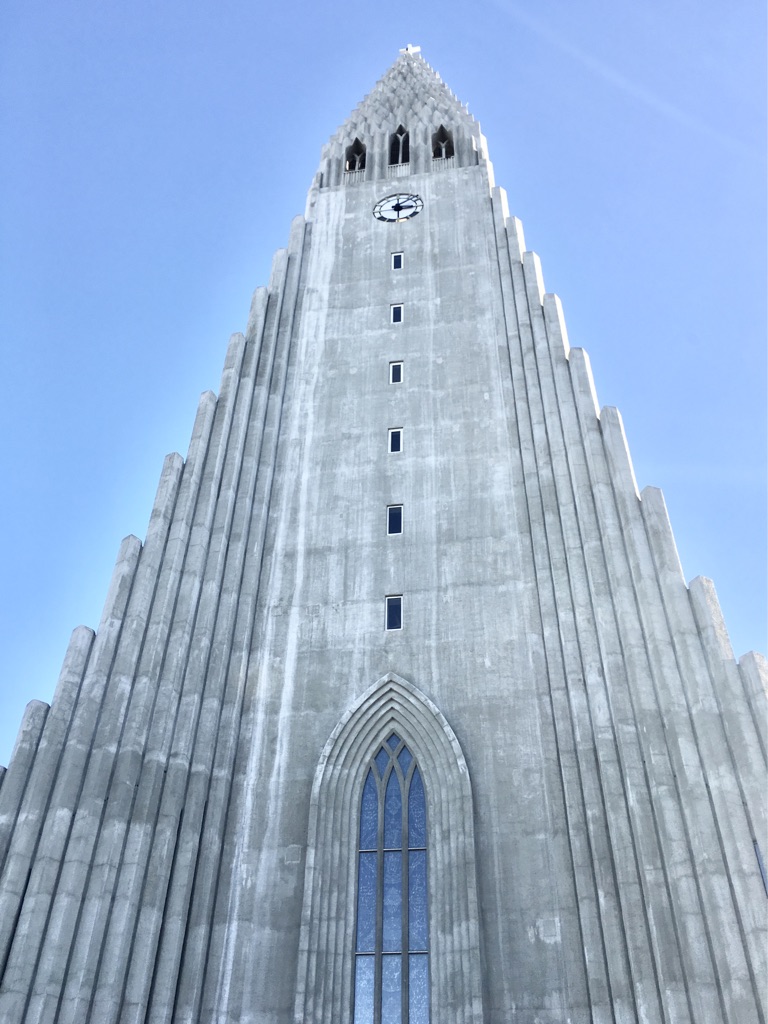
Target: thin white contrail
[(615, 78)]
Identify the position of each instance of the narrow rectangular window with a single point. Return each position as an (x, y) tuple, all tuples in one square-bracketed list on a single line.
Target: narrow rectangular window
[(395, 612), (396, 439), (395, 519), (396, 313), (395, 373), (397, 261)]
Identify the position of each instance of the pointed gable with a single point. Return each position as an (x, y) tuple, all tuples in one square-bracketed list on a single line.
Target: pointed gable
[(410, 93), (411, 101)]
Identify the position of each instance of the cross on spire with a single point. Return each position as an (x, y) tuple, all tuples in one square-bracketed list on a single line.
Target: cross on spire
[(411, 49)]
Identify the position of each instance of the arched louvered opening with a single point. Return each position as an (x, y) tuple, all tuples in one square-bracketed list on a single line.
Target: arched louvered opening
[(391, 954), (354, 158), (442, 144), (399, 147)]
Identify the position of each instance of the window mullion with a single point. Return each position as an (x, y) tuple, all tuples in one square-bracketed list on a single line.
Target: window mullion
[(378, 941), (405, 944)]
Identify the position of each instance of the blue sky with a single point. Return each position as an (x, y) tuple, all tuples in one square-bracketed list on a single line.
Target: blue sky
[(154, 154)]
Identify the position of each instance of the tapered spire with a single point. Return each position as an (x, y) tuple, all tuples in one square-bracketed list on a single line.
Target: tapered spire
[(410, 98), (410, 93)]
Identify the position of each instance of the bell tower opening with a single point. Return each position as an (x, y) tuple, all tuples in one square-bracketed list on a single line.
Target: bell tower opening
[(354, 158), (442, 144), (399, 150)]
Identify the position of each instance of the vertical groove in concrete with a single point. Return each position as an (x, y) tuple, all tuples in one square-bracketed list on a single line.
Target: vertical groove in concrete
[(704, 920), (571, 389), (734, 706), (647, 767), (582, 529), (32, 930), (209, 865), (550, 667), (148, 704), (199, 691), (142, 967), (114, 780), (212, 973), (665, 735), (754, 674), (151, 848), (745, 814), (716, 813), (20, 769), (584, 674), (253, 498), (216, 626), (623, 776), (22, 844), (595, 757), (234, 947), (562, 659)]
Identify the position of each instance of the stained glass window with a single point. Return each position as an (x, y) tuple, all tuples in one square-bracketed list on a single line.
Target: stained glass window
[(392, 933)]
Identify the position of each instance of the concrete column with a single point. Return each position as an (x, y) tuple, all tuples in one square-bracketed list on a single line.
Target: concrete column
[(647, 768), (22, 843), (230, 665), (238, 915), (78, 915), (20, 769), (593, 705), (196, 737), (140, 748), (619, 757), (709, 795), (112, 778), (581, 692), (665, 733), (192, 533), (754, 674), (25, 962), (546, 654)]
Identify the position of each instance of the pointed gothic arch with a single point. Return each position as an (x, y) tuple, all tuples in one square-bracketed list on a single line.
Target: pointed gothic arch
[(442, 143), (399, 146), (354, 157), (325, 979)]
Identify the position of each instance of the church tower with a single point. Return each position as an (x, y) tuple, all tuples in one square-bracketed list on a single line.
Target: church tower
[(403, 712)]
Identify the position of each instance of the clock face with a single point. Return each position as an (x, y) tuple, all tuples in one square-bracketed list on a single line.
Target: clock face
[(398, 207)]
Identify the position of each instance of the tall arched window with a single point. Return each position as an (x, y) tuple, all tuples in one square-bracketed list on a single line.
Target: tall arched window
[(391, 955), (379, 738), (354, 159), (398, 147), (442, 144)]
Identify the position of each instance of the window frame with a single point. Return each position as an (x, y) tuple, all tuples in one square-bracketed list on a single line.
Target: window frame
[(390, 435), (374, 936), (395, 533), (393, 257), (394, 363), (387, 599), (399, 306)]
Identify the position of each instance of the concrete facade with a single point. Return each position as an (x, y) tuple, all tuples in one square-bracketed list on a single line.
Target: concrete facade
[(178, 831)]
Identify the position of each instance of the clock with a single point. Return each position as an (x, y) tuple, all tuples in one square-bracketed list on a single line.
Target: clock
[(398, 207)]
